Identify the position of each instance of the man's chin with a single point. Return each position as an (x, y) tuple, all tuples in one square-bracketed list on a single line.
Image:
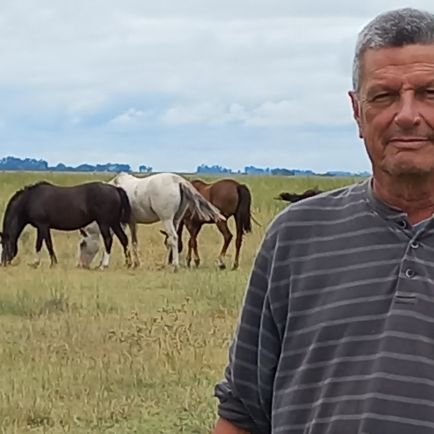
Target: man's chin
[(410, 169)]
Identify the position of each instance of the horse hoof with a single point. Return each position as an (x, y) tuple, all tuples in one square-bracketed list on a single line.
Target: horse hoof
[(235, 267), (33, 265)]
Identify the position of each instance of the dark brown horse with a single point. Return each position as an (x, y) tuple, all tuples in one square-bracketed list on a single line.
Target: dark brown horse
[(46, 206), (294, 197), (232, 199)]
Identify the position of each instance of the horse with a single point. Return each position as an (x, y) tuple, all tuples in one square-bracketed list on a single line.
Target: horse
[(294, 197), (47, 206), (89, 246), (232, 199), (164, 197)]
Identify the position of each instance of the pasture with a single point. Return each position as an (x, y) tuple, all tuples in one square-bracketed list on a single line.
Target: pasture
[(122, 351)]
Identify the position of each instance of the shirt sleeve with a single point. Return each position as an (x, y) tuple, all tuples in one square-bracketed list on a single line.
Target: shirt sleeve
[(245, 394)]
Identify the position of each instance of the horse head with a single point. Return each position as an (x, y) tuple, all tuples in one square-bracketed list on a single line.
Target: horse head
[(88, 245), (8, 249)]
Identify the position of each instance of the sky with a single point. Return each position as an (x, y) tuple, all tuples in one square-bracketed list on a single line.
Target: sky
[(173, 84)]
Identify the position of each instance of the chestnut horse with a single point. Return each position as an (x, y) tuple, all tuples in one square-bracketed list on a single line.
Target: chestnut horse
[(232, 199)]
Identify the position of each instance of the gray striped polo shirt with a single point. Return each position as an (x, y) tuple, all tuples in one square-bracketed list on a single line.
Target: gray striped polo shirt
[(336, 333)]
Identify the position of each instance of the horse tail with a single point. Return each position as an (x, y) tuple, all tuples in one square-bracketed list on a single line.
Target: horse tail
[(198, 206), (243, 212), (125, 206)]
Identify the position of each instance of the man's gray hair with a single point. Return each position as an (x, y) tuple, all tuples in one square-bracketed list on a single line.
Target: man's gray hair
[(394, 28)]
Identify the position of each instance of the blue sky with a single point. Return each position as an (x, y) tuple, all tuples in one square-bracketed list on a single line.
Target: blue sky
[(175, 84)]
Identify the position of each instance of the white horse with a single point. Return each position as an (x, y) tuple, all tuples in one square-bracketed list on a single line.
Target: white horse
[(161, 197), (89, 246)]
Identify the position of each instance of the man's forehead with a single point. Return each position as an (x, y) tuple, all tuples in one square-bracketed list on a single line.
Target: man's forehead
[(397, 63), (377, 58)]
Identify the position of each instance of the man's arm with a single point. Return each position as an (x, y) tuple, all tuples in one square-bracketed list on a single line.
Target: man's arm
[(245, 393), (225, 427)]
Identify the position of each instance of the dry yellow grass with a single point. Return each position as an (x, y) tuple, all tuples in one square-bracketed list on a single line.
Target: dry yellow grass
[(121, 351)]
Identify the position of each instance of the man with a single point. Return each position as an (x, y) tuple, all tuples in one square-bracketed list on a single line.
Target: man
[(336, 334)]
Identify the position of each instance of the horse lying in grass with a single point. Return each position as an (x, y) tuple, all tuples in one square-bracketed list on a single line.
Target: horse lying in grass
[(294, 197), (164, 197), (46, 206)]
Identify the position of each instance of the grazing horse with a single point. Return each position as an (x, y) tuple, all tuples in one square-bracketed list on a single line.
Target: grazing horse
[(164, 197), (294, 197), (89, 245), (232, 199), (46, 206)]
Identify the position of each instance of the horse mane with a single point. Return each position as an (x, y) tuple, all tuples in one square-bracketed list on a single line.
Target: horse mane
[(20, 192), (34, 185)]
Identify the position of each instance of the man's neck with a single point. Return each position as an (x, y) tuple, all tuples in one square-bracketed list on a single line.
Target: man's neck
[(412, 195)]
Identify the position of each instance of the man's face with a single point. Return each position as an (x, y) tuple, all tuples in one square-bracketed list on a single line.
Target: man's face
[(394, 109)]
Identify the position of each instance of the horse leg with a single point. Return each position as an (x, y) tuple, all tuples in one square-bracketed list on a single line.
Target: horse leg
[(134, 243), (190, 244), (108, 242), (38, 247), (172, 242), (238, 242), (222, 226), (180, 226), (49, 244), (122, 237), (194, 230)]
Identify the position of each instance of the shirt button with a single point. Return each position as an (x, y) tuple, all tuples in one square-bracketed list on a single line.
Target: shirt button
[(414, 244), (409, 273)]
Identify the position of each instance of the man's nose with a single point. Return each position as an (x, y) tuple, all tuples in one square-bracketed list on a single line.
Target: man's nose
[(408, 114)]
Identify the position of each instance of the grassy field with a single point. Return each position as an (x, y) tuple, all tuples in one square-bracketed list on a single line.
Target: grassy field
[(121, 351)]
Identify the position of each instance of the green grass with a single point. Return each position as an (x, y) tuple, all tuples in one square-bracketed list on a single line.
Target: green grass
[(122, 351)]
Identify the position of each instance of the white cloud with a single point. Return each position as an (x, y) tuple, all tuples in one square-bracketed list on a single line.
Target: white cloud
[(320, 110), (86, 67), (131, 118)]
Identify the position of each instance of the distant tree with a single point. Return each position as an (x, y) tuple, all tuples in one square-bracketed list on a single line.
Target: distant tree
[(145, 169), (14, 163), (203, 168), (32, 164)]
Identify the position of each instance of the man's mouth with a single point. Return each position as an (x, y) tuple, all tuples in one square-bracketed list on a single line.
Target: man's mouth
[(408, 143)]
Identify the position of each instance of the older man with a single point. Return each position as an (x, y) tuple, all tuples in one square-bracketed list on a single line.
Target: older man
[(336, 333)]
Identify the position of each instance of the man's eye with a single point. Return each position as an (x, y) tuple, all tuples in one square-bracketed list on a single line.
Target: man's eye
[(381, 97), (429, 93)]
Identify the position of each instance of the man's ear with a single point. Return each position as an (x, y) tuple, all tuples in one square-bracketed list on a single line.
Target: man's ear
[(355, 104)]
